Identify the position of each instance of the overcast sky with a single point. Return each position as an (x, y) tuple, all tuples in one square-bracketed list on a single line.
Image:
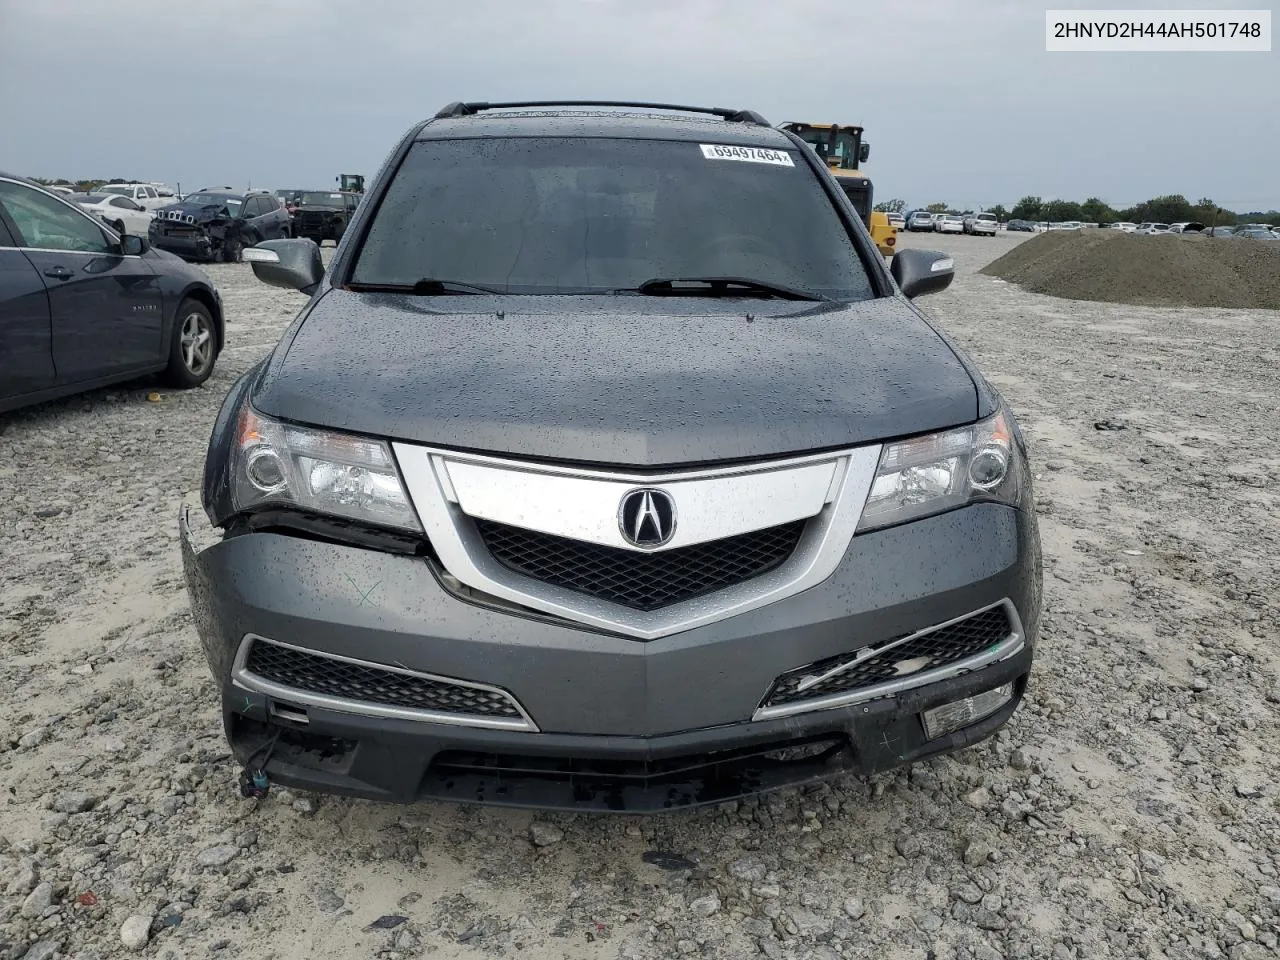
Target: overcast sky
[(960, 100)]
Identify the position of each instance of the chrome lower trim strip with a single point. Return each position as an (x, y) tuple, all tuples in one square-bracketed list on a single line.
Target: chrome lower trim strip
[(243, 677), (463, 554), (1008, 647)]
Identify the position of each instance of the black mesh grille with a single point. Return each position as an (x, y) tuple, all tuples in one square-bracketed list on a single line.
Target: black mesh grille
[(313, 673), (642, 581), (959, 641)]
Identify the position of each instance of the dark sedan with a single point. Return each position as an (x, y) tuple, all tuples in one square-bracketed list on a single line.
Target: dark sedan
[(1020, 226), (218, 225), (82, 306)]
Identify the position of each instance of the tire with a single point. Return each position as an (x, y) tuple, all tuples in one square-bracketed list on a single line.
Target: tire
[(231, 250), (193, 348)]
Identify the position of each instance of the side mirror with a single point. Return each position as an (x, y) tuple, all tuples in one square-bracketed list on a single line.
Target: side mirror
[(292, 264), (922, 271), (132, 246), (863, 152)]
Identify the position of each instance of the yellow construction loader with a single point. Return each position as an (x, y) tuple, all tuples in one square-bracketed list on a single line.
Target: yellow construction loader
[(842, 148)]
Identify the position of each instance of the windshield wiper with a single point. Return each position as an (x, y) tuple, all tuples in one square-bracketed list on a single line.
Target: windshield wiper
[(719, 287), (426, 287)]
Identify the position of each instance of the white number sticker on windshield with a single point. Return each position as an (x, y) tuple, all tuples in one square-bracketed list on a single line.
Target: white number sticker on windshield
[(718, 151)]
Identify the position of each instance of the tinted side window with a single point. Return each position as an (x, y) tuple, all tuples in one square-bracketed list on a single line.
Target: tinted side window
[(47, 224)]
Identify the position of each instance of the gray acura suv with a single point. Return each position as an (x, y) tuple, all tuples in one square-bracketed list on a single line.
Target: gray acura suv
[(608, 467)]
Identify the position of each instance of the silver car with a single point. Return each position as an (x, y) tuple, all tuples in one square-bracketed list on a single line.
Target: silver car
[(920, 220), (981, 224)]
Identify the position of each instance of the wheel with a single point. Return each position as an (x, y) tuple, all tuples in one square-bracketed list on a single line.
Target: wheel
[(231, 250), (285, 233), (193, 348)]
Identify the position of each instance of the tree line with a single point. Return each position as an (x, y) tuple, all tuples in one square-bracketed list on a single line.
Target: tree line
[(1173, 208), (83, 186)]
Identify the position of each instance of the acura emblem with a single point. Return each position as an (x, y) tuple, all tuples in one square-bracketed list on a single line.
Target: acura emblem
[(647, 518)]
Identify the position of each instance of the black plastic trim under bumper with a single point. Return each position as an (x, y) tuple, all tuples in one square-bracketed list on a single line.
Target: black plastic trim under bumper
[(400, 761)]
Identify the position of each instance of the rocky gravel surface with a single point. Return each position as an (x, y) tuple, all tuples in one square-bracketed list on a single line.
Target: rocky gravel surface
[(1129, 810)]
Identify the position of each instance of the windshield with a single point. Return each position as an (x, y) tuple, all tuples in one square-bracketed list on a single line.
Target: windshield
[(208, 199), (593, 215), (118, 191), (986, 216), (321, 198)]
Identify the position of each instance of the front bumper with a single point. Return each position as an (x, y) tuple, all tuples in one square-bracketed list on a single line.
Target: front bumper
[(621, 724), (198, 246)]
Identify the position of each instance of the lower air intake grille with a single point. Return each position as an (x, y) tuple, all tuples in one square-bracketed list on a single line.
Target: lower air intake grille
[(938, 648), (642, 581), (318, 674)]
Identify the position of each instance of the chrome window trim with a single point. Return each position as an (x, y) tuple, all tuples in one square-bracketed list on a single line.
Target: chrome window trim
[(241, 676), (1009, 647), (458, 545), (83, 253)]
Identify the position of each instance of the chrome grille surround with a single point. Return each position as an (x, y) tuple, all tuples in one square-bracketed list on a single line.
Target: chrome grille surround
[(450, 491)]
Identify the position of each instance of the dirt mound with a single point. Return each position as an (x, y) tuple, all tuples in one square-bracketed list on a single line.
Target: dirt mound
[(1177, 270)]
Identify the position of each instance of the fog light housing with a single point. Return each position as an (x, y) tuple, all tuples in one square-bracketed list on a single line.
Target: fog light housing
[(961, 713)]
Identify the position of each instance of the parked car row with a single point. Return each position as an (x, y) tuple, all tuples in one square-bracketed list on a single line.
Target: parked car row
[(216, 223), (976, 223), (1247, 231)]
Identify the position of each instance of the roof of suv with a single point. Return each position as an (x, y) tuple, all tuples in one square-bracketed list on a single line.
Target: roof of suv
[(604, 123)]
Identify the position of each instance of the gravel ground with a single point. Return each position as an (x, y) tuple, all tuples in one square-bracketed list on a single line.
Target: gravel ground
[(1129, 810)]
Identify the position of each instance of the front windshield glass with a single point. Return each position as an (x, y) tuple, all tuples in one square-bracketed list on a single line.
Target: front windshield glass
[(322, 198), (221, 199), (592, 215), (118, 191)]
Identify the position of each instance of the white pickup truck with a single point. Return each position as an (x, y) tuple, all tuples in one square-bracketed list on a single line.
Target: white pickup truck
[(145, 195)]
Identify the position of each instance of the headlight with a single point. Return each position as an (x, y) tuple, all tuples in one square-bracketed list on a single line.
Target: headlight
[(332, 473), (931, 474)]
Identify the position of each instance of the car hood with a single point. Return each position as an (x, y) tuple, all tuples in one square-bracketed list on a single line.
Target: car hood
[(633, 381), (202, 212)]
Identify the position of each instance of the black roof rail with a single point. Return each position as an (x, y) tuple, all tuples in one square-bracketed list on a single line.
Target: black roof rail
[(459, 109)]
